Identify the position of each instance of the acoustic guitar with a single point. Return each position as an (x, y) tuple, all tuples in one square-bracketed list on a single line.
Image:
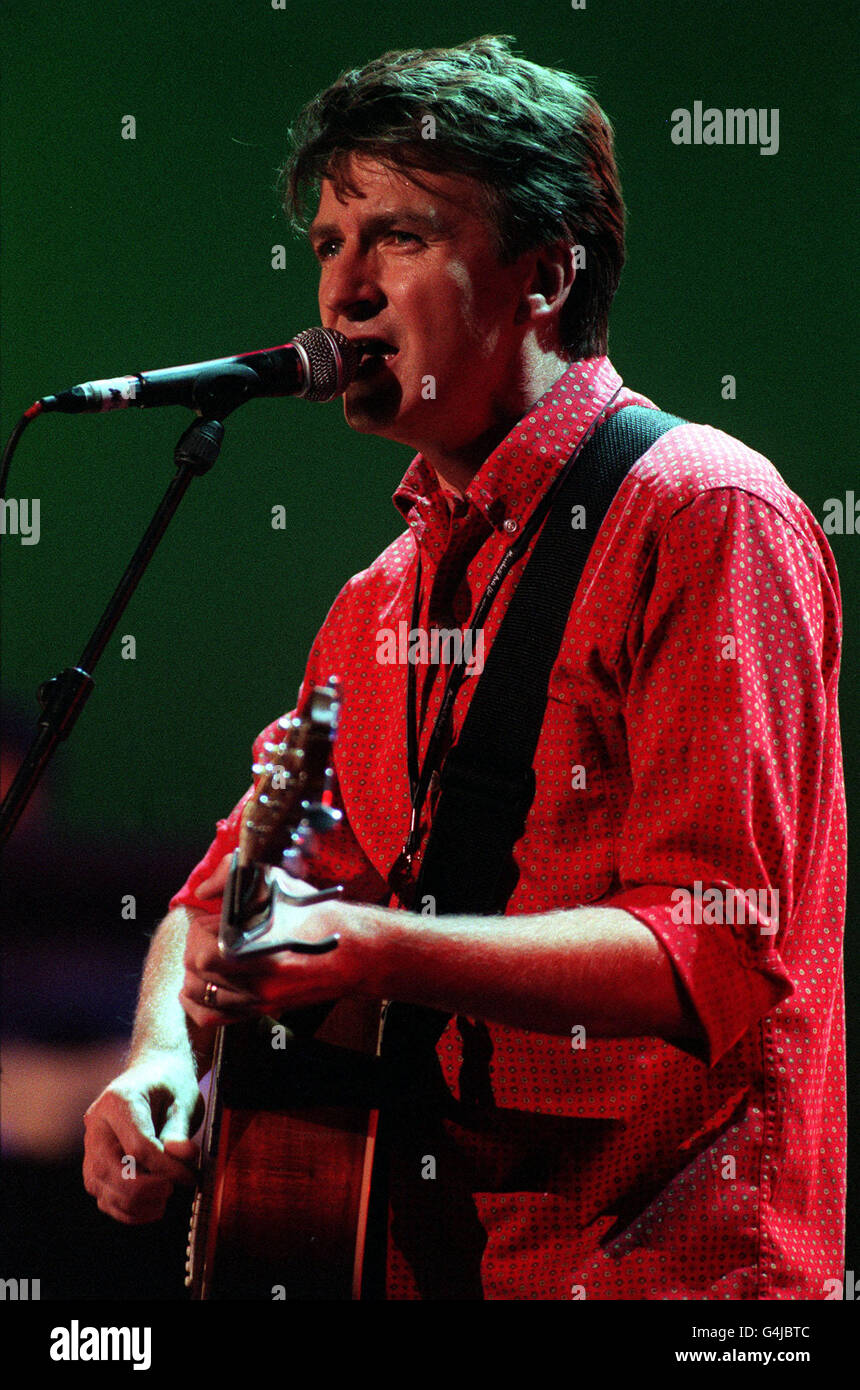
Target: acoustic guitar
[(281, 1206)]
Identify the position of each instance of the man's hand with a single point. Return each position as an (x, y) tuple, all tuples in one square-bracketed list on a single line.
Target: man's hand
[(260, 984), (137, 1138)]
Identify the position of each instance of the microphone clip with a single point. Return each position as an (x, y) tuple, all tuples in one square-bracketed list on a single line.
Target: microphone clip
[(220, 390)]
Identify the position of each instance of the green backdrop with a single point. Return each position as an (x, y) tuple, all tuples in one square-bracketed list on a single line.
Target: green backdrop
[(126, 254)]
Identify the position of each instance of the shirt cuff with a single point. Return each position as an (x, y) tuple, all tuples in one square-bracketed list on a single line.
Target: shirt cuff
[(732, 972)]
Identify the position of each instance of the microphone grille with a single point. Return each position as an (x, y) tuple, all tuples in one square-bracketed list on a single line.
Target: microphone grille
[(332, 362)]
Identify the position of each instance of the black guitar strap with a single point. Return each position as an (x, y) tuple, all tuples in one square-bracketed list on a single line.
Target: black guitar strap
[(487, 780)]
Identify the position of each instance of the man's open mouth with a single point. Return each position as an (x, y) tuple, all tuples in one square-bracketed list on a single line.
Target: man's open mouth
[(376, 353)]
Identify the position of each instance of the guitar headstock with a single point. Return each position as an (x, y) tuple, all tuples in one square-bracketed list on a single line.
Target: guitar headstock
[(294, 779)]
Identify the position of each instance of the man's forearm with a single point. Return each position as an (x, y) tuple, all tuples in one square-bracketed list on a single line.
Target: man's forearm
[(161, 1024), (599, 968)]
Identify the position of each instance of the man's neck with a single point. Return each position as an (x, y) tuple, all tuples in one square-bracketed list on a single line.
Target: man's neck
[(456, 468)]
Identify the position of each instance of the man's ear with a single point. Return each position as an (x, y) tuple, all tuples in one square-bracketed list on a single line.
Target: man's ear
[(549, 275)]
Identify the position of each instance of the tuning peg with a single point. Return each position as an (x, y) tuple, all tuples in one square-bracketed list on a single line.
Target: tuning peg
[(319, 817), (294, 861)]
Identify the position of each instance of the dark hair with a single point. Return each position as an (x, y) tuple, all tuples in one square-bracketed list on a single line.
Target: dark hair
[(534, 138)]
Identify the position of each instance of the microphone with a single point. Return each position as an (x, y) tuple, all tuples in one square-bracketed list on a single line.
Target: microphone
[(318, 364)]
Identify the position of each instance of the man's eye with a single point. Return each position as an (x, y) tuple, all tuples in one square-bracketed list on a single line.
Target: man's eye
[(403, 237), (325, 250)]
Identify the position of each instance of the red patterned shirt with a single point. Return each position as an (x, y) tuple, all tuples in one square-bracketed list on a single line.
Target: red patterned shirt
[(688, 771)]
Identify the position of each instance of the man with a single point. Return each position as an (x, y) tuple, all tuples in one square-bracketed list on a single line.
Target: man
[(643, 1058)]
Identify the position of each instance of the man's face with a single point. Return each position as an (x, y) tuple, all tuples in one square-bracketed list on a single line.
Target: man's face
[(415, 273)]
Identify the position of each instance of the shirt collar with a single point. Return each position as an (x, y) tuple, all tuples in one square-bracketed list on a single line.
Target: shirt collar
[(511, 481)]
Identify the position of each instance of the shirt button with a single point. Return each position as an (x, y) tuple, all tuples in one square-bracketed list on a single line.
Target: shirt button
[(511, 526)]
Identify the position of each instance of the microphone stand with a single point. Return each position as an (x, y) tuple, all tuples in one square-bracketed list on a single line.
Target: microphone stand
[(63, 697)]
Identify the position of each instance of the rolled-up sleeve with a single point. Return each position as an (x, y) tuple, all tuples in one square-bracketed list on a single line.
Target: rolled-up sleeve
[(725, 710)]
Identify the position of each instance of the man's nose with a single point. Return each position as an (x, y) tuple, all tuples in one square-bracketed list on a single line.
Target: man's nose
[(350, 287)]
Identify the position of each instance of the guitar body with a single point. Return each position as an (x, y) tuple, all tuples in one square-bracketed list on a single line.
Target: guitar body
[(285, 1181), (281, 1208)]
